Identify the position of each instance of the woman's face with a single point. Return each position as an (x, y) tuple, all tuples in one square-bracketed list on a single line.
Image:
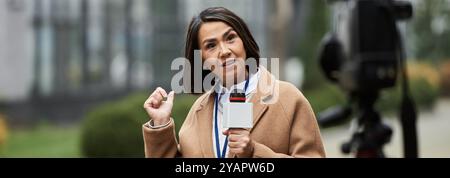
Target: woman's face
[(219, 41)]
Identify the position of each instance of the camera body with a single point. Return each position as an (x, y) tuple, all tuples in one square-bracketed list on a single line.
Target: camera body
[(361, 53)]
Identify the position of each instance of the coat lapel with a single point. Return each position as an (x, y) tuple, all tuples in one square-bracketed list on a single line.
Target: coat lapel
[(258, 109), (204, 120), (259, 98)]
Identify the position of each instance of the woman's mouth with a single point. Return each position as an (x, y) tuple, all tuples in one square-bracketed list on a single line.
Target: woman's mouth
[(228, 63)]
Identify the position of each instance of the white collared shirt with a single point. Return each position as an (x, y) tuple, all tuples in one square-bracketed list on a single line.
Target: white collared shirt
[(224, 96)]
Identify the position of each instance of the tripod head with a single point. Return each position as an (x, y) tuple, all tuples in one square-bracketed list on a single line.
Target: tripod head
[(371, 134)]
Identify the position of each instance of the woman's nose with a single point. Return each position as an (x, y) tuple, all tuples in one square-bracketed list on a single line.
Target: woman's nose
[(225, 52)]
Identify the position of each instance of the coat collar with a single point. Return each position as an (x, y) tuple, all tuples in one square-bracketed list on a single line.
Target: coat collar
[(203, 113)]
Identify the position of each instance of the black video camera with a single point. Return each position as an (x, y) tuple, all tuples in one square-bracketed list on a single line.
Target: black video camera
[(364, 54)]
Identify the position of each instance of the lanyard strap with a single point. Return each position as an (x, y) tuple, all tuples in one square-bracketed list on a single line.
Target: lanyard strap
[(225, 145)]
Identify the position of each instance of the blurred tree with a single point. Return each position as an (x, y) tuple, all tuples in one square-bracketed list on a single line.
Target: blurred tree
[(316, 26), (431, 29)]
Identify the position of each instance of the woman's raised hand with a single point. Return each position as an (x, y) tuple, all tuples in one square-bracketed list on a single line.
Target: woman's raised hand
[(158, 109)]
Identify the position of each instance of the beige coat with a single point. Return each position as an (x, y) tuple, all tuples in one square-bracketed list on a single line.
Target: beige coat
[(286, 128)]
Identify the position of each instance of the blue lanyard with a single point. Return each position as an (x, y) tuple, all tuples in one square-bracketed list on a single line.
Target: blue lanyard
[(217, 98)]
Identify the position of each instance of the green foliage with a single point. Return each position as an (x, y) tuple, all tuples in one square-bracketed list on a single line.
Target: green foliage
[(115, 129), (323, 97), (423, 92), (315, 28), (431, 30)]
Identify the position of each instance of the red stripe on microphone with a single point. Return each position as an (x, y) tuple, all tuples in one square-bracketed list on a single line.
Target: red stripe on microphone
[(237, 99)]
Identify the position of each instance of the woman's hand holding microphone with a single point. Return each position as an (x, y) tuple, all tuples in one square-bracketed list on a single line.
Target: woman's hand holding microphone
[(240, 142)]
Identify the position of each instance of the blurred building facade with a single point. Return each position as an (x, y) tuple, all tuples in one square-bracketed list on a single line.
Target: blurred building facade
[(16, 56), (59, 57)]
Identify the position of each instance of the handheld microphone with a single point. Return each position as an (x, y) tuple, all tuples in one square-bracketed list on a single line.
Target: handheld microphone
[(237, 113)]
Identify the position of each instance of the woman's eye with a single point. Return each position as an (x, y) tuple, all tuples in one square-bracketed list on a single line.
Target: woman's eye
[(231, 37), (210, 45)]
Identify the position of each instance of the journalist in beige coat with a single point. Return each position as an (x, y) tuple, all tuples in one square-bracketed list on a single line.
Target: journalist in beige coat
[(284, 124)]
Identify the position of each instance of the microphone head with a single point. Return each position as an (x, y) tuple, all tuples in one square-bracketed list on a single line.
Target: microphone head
[(237, 96)]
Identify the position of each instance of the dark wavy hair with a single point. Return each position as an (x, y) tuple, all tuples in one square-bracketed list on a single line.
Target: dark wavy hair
[(214, 14)]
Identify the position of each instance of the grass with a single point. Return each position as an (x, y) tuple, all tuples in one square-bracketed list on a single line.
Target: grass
[(43, 141)]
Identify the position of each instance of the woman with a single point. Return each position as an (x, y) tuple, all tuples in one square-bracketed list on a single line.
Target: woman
[(284, 128)]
